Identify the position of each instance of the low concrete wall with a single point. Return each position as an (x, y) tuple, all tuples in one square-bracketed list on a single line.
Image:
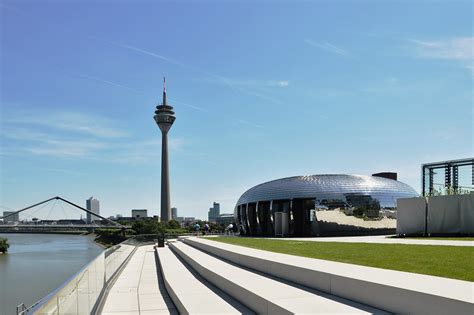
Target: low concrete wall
[(446, 215), (411, 215), (393, 291), (451, 214)]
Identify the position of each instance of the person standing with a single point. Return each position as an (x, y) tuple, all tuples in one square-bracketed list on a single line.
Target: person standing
[(197, 227)]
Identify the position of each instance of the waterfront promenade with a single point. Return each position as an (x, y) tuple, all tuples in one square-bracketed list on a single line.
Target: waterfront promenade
[(139, 289)]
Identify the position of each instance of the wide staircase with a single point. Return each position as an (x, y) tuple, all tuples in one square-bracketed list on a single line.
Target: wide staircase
[(202, 283), (193, 275)]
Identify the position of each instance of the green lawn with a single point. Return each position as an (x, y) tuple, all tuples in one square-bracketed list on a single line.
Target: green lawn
[(455, 262)]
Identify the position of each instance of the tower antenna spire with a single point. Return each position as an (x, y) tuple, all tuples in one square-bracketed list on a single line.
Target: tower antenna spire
[(164, 90)]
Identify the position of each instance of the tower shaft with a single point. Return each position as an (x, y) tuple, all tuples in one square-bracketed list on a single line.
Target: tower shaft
[(165, 180)]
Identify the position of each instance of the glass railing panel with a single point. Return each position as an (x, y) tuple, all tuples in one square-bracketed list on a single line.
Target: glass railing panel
[(67, 298), (80, 294), (99, 279)]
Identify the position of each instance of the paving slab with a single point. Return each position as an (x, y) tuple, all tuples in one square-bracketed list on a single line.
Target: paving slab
[(263, 294), (137, 289)]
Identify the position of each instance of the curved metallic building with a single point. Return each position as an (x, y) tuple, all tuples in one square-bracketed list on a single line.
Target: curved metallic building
[(319, 205)]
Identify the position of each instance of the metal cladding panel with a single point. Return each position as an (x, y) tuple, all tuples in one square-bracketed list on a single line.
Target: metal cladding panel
[(386, 191)]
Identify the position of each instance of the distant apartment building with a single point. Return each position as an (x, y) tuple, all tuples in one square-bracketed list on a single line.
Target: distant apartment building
[(93, 205), (225, 218), (174, 213), (11, 218), (188, 221), (214, 212), (138, 214)]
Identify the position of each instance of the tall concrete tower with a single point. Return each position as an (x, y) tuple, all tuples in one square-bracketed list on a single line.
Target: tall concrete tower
[(164, 117)]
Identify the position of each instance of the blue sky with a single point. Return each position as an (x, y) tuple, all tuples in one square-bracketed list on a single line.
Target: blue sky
[(261, 90)]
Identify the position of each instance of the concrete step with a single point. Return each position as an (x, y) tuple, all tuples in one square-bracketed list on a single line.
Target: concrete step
[(263, 294), (189, 294), (394, 291)]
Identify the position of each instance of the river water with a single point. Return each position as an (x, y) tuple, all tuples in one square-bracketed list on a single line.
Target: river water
[(36, 264)]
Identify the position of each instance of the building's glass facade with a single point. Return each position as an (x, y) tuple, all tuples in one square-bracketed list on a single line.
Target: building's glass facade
[(322, 205)]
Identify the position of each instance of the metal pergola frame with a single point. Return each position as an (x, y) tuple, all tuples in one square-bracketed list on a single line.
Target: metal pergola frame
[(450, 174)]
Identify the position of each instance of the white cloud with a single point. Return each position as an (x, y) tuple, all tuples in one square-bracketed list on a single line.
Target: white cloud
[(327, 47), (41, 143), (228, 82), (106, 82), (460, 49), (282, 83), (140, 50), (248, 123), (71, 122), (200, 109)]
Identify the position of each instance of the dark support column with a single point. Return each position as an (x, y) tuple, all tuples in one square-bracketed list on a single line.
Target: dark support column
[(264, 216), (455, 179), (272, 219), (298, 217), (431, 175), (423, 181), (259, 229), (288, 206), (252, 218), (245, 222), (447, 177)]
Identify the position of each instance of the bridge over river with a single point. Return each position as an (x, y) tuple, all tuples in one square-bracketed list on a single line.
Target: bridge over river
[(45, 225)]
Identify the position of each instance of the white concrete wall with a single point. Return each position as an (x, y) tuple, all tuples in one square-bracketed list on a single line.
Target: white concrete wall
[(451, 214), (467, 213), (446, 215), (411, 214)]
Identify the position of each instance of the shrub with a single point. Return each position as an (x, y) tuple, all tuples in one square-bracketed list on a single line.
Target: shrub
[(173, 224), (109, 236), (148, 227), (4, 245)]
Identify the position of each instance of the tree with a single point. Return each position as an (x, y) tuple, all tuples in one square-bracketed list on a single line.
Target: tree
[(4, 245), (173, 224), (109, 236), (148, 227)]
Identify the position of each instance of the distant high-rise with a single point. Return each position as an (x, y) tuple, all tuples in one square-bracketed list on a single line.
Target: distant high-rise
[(174, 213), (214, 212), (92, 205), (10, 217), (139, 214), (164, 118)]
